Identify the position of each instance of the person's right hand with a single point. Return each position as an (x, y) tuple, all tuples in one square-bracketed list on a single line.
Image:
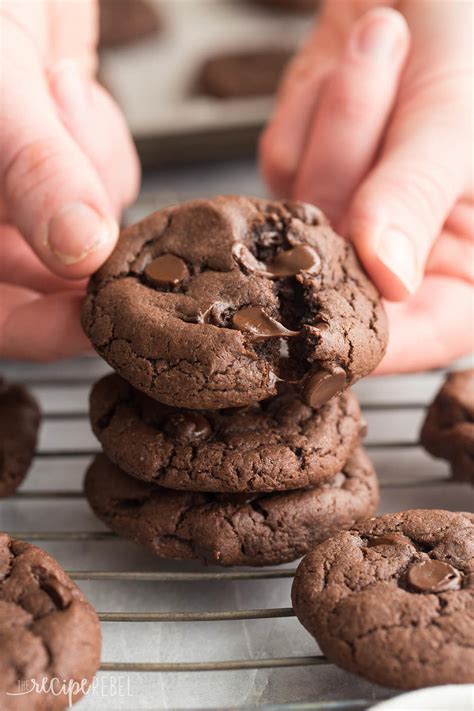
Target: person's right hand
[(374, 124), (67, 169)]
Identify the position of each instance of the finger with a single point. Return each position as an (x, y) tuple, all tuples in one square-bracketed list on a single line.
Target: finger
[(98, 127), (452, 255), (353, 109), (282, 142), (20, 265), (432, 328), (34, 327), (423, 169), (53, 192)]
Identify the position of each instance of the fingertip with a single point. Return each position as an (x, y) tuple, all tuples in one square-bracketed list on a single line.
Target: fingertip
[(381, 32), (77, 240), (388, 254)]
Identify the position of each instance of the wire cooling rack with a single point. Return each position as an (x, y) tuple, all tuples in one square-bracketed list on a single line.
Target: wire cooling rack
[(181, 635)]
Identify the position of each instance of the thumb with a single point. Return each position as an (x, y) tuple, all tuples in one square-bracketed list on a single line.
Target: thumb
[(52, 192), (400, 208)]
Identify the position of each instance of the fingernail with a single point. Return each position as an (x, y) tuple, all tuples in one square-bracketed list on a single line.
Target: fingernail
[(377, 37), (69, 86), (76, 231), (397, 253)]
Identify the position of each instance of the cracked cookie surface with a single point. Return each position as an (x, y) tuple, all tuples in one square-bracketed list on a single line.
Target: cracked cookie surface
[(393, 600), (448, 430), (47, 629), (231, 529), (19, 422), (276, 444), (212, 303)]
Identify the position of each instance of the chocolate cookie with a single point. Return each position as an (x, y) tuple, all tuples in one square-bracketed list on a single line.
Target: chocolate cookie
[(231, 529), (19, 422), (47, 631), (240, 74), (448, 431), (393, 600), (125, 21), (198, 302), (276, 444)]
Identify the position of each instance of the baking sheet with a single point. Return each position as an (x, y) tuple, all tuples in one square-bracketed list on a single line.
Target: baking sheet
[(154, 79)]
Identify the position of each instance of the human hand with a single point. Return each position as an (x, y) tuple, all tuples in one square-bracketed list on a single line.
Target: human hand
[(374, 124), (67, 169)]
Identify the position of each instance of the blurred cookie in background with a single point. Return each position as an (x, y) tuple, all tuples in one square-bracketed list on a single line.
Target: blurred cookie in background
[(126, 21), (292, 5), (243, 73)]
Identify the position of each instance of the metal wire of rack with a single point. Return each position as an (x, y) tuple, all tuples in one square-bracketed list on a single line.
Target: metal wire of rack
[(54, 450)]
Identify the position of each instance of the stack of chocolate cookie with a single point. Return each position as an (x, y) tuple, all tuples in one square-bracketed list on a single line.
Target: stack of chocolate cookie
[(235, 326)]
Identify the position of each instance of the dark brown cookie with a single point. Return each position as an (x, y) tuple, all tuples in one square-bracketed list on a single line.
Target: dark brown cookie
[(277, 444), (231, 529), (241, 74), (448, 431), (19, 422), (47, 631), (393, 600), (125, 21), (197, 301)]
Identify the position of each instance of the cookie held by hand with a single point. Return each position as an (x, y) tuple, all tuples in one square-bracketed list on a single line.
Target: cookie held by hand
[(213, 303)]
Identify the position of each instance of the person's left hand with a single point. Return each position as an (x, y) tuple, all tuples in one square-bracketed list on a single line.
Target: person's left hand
[(67, 169)]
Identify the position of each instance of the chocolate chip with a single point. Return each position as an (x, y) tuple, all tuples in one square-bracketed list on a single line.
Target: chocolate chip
[(188, 427), (292, 261), (433, 576), (167, 270), (321, 387), (254, 320)]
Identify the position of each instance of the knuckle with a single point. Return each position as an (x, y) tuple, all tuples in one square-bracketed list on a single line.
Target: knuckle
[(32, 165), (342, 101)]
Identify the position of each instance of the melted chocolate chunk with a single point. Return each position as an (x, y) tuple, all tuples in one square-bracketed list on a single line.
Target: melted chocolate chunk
[(321, 387), (286, 264), (433, 576), (188, 427), (260, 325), (292, 261), (167, 270)]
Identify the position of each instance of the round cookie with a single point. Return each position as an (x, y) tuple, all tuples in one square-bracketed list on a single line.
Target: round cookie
[(393, 600), (19, 422), (277, 444), (231, 529), (125, 21), (448, 430), (243, 73), (47, 631), (198, 302)]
